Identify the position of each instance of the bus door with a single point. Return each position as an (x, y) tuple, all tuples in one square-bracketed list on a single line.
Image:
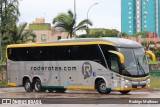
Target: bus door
[(114, 67)]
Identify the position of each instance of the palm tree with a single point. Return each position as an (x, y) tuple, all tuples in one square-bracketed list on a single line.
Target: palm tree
[(68, 22), (18, 35)]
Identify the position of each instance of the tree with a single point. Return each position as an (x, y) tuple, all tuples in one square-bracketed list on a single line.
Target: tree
[(18, 35), (9, 13), (97, 33), (143, 34), (146, 44), (68, 22)]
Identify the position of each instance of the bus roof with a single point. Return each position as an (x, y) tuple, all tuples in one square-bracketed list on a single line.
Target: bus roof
[(118, 42)]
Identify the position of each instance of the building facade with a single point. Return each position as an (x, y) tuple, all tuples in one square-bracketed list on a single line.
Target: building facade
[(140, 15), (44, 32)]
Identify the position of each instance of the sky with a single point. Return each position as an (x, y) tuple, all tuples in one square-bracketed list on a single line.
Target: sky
[(106, 14)]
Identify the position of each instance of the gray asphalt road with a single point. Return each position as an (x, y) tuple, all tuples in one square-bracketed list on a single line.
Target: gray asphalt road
[(81, 97)]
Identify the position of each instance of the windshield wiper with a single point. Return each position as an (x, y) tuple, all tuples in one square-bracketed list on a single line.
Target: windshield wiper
[(140, 67)]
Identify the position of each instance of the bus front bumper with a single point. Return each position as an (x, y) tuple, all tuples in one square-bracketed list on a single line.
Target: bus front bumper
[(134, 85)]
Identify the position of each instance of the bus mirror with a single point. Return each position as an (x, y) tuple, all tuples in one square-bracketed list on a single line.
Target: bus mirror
[(152, 55), (120, 55)]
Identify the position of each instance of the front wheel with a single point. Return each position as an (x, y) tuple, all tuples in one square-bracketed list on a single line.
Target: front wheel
[(124, 92), (38, 86), (28, 86), (102, 88)]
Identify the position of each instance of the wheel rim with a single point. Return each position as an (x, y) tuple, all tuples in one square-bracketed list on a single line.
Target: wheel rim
[(27, 86), (37, 86), (103, 87)]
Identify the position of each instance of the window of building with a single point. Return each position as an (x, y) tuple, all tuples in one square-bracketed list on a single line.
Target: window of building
[(43, 38), (145, 16), (129, 12), (130, 31), (145, 26), (129, 22)]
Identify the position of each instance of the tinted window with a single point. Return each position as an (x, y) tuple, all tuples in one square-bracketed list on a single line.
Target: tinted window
[(82, 52), (114, 64), (105, 49)]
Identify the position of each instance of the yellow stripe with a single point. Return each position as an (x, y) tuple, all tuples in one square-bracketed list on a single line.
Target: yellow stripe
[(81, 87), (59, 44), (152, 55), (134, 78), (121, 56), (12, 84)]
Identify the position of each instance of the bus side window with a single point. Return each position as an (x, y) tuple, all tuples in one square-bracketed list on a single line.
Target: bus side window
[(114, 64)]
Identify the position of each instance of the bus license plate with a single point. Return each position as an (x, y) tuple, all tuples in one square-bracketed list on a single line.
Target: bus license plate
[(139, 86)]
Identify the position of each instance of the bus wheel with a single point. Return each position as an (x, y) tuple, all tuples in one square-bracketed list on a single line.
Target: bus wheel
[(50, 90), (124, 92), (101, 87), (28, 86), (38, 87), (60, 90)]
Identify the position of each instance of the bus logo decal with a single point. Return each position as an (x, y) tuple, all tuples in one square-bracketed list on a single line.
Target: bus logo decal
[(86, 69)]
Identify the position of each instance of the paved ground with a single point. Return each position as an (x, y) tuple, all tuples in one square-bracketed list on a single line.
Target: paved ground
[(92, 97)]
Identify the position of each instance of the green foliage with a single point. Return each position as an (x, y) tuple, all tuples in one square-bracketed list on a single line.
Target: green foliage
[(157, 52), (3, 83), (97, 33), (68, 22), (143, 34), (125, 34), (18, 35), (156, 62), (9, 13), (146, 44), (155, 79)]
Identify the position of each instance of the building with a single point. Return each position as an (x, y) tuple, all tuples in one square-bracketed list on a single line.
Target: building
[(140, 15), (44, 31)]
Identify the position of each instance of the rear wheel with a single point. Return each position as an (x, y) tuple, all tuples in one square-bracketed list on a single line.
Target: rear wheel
[(102, 88), (124, 92), (28, 85), (60, 90), (38, 86)]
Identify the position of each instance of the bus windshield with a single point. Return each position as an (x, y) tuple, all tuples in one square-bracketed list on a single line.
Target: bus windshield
[(136, 63)]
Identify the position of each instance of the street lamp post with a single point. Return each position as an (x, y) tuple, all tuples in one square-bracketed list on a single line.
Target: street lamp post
[(75, 8), (88, 12)]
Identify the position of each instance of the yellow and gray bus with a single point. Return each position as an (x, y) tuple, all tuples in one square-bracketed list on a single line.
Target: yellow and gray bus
[(102, 64)]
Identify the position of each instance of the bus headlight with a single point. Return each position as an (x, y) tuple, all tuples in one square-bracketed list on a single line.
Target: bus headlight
[(148, 80), (126, 80)]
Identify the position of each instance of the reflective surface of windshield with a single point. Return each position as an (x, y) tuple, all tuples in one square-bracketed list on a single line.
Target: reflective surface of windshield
[(136, 63)]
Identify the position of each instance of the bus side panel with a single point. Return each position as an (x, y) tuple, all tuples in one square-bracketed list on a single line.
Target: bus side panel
[(14, 73)]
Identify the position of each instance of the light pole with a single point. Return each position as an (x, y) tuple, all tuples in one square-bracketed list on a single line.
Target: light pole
[(75, 8), (88, 13)]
